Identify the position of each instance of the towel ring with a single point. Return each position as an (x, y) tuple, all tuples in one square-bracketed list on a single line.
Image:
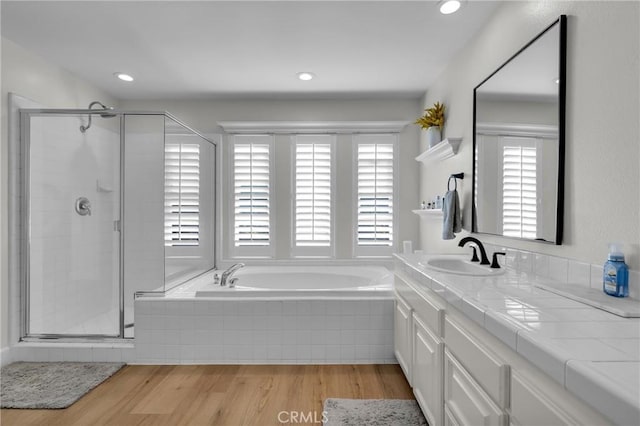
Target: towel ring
[(455, 178), (455, 184)]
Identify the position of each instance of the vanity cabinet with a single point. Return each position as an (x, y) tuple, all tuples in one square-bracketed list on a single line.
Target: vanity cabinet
[(463, 375), (402, 335), (425, 345), (428, 351)]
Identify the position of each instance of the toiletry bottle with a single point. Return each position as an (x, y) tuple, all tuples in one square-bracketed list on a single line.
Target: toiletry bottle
[(438, 203), (423, 205), (616, 273)]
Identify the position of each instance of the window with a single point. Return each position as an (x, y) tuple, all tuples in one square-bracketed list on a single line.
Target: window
[(182, 195), (252, 192), (375, 194), (313, 193), (519, 195), (310, 195)]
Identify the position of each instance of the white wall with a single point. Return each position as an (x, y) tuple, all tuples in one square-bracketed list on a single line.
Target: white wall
[(203, 115), (602, 127), (30, 76)]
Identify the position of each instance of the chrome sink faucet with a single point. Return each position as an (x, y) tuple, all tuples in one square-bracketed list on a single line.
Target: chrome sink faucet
[(227, 274), (483, 253)]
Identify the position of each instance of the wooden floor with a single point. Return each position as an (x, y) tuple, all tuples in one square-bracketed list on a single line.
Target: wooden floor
[(219, 395)]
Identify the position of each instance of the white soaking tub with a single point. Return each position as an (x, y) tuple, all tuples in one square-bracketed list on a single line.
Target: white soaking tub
[(304, 281)]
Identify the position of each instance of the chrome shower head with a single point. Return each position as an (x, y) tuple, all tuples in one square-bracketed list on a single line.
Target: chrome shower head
[(103, 115)]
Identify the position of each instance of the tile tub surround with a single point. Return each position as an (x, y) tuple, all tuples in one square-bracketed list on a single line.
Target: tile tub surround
[(236, 331), (573, 343)]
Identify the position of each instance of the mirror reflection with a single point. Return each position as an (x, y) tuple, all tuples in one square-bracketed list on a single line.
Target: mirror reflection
[(518, 143)]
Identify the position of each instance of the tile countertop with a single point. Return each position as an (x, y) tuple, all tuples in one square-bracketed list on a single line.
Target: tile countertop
[(592, 353)]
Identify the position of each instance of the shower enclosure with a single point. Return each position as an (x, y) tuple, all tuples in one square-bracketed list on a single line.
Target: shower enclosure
[(115, 203)]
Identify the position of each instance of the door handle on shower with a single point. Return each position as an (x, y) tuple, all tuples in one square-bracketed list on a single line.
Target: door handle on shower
[(83, 206)]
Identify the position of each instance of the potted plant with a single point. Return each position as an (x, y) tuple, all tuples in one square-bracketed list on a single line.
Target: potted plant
[(432, 121)]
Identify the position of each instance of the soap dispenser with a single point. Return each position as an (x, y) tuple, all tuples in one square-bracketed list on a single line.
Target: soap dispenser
[(615, 280)]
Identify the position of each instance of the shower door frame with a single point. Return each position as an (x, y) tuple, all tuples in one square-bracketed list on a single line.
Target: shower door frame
[(25, 255), (25, 217)]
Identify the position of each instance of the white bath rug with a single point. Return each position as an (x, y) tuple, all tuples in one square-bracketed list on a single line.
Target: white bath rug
[(372, 412), (51, 384)]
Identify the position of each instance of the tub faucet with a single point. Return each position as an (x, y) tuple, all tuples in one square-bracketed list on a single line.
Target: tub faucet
[(483, 253), (227, 274)]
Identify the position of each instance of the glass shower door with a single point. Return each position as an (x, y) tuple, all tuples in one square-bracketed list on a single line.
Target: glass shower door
[(73, 235)]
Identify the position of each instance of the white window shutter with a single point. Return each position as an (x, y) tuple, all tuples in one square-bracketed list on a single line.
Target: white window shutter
[(519, 195), (251, 163), (375, 194), (182, 195), (313, 195)]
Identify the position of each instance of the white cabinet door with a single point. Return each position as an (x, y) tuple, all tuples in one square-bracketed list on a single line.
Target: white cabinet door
[(402, 336), (464, 398), (428, 367)]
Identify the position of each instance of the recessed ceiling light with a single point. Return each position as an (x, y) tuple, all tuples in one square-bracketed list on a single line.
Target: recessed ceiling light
[(122, 76), (305, 76), (449, 6)]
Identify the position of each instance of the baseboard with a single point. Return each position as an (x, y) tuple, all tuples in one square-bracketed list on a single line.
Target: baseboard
[(5, 356)]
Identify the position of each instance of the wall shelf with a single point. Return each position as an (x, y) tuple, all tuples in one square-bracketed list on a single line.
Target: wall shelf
[(446, 148), (428, 212)]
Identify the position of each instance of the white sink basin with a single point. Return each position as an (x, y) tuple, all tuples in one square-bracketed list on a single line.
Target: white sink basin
[(456, 265)]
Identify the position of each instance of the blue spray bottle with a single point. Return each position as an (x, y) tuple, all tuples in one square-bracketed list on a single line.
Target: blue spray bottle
[(616, 273)]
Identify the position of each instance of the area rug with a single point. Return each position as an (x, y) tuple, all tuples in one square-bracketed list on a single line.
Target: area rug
[(372, 412), (51, 384)]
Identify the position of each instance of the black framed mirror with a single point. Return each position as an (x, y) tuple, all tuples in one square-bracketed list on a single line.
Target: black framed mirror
[(519, 142)]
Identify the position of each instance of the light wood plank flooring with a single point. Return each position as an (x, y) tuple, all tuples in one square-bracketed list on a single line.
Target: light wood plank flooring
[(219, 395)]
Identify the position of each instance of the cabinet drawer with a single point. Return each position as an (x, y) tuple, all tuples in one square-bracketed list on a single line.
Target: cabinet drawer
[(466, 402), (529, 406), (429, 311), (402, 288), (486, 368)]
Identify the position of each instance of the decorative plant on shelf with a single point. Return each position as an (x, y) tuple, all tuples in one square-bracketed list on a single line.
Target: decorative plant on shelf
[(433, 117)]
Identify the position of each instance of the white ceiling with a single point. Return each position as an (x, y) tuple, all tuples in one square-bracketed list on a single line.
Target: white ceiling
[(247, 49)]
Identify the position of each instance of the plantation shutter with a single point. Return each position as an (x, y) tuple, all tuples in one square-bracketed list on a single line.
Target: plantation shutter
[(182, 195), (251, 192), (313, 195), (375, 194), (519, 198)]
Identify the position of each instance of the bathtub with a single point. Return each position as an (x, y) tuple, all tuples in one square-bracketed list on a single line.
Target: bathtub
[(300, 281), (274, 315)]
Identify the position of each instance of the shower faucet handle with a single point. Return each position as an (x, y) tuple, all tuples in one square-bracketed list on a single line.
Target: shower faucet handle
[(83, 206)]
